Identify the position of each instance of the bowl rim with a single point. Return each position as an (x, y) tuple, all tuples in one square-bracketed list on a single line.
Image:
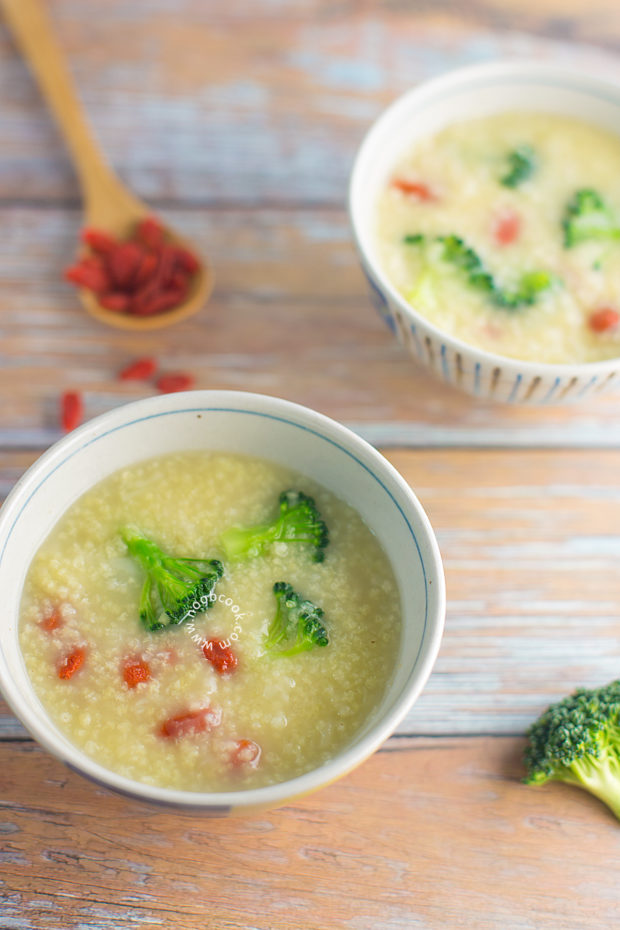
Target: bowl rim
[(324, 427), (519, 70)]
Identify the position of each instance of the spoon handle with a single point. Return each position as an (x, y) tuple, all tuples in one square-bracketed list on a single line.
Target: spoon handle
[(32, 29)]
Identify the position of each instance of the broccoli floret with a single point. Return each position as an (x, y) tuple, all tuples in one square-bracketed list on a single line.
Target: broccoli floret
[(457, 253), (587, 217), (530, 286), (297, 625), (298, 521), (577, 740), (521, 164), (175, 589)]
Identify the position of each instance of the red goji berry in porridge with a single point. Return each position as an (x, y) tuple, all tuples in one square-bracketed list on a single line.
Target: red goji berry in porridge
[(207, 622)]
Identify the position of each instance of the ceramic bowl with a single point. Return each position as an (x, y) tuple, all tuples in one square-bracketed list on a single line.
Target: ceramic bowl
[(469, 93), (254, 424)]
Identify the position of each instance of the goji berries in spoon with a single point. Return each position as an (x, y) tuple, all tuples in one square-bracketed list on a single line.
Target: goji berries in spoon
[(143, 275)]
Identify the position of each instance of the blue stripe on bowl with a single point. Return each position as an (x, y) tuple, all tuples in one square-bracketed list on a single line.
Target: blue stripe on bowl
[(416, 339), (515, 388), (477, 378), (444, 363), (587, 386), (551, 391)]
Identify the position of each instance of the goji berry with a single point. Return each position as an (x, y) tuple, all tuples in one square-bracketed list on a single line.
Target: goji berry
[(165, 267), (506, 228), (142, 275), (135, 672), (244, 752), (178, 381), (140, 370), (90, 276), (159, 302), (146, 268), (71, 410), (123, 263), (99, 241), (71, 663), (414, 189), (187, 260), (603, 320), (51, 621), (220, 655), (191, 723), (115, 301), (151, 232)]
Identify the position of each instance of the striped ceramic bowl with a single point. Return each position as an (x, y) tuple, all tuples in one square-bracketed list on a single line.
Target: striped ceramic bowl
[(473, 92)]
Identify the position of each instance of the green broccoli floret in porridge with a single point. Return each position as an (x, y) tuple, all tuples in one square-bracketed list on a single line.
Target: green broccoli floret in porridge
[(298, 521), (588, 218), (454, 251), (297, 625), (175, 589), (520, 165)]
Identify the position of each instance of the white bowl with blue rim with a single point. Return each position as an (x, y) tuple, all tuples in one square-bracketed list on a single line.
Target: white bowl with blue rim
[(254, 424), (470, 93)]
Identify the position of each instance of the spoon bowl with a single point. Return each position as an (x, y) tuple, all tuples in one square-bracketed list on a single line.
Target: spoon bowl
[(108, 205)]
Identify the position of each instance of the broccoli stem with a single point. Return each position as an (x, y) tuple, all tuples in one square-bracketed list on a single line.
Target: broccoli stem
[(600, 779)]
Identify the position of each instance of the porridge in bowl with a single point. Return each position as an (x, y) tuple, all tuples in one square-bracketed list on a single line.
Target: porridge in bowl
[(504, 232), (210, 622)]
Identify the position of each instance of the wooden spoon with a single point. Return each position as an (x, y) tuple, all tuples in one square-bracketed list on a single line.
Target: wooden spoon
[(108, 205)]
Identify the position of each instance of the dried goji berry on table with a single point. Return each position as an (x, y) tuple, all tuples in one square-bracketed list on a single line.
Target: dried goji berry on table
[(71, 410), (177, 381), (140, 370)]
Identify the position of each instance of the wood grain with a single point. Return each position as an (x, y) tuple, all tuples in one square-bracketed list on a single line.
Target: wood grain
[(239, 121), (199, 101), (530, 545), (457, 842), (285, 279)]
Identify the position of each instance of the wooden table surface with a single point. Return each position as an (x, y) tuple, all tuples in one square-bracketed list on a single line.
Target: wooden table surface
[(238, 121)]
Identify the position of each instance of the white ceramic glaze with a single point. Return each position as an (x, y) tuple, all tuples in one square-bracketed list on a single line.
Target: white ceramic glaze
[(463, 94), (255, 424)]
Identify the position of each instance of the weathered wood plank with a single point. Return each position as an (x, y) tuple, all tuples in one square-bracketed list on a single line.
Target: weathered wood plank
[(530, 544), (290, 316), (457, 842), (244, 102)]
